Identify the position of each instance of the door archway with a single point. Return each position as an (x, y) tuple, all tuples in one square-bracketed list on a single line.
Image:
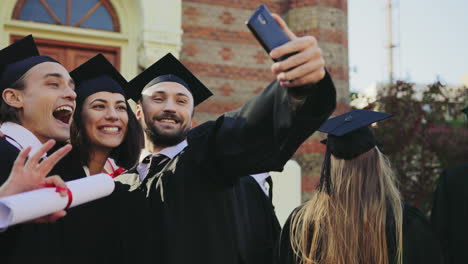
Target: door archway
[(73, 31)]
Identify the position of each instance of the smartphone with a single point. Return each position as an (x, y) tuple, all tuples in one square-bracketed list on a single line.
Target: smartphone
[(267, 31)]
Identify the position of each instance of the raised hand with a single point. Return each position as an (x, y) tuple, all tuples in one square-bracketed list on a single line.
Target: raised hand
[(31, 173), (305, 67)]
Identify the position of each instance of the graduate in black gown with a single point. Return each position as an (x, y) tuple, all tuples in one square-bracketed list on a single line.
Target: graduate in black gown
[(189, 173), (357, 214), (450, 213), (95, 232), (258, 224), (37, 102), (104, 129)]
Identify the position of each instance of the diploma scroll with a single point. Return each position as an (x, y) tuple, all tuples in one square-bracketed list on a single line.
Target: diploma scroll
[(30, 205)]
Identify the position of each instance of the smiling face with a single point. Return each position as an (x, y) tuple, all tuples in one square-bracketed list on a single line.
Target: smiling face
[(47, 102), (105, 119), (166, 113)]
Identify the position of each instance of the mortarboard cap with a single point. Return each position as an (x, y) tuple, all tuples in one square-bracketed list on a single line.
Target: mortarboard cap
[(97, 75), (17, 59), (168, 69), (349, 136)]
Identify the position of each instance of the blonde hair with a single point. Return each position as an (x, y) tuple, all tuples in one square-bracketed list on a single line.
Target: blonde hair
[(348, 226)]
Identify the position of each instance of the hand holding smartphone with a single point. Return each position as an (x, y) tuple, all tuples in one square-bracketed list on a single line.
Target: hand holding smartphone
[(267, 31)]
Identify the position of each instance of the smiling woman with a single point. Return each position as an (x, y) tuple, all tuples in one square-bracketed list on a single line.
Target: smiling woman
[(104, 120), (104, 130)]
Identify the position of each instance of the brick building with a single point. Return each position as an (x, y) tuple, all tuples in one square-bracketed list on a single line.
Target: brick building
[(220, 49), (209, 36)]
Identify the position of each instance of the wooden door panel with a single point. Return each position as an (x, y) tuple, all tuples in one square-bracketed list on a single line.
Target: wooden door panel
[(71, 54), (76, 57), (53, 52)]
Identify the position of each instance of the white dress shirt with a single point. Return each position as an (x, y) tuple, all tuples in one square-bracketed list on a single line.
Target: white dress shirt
[(261, 180), (20, 137), (169, 152)]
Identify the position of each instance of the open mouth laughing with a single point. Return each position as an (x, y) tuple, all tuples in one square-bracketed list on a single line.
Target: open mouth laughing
[(63, 114)]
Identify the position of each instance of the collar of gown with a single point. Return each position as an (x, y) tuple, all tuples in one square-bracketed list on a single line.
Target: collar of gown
[(20, 137)]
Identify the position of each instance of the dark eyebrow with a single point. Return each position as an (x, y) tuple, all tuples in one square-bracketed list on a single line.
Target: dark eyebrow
[(98, 99), (120, 101), (57, 75), (158, 92), (183, 94)]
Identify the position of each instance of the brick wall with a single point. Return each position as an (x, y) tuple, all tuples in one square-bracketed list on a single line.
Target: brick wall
[(221, 51)]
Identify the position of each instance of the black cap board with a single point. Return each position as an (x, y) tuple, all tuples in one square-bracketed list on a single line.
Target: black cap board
[(17, 59), (97, 75), (168, 69), (348, 137)]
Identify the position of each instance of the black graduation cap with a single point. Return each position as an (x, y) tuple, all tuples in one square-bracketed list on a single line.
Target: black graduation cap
[(349, 136), (169, 69), (97, 75), (17, 59)]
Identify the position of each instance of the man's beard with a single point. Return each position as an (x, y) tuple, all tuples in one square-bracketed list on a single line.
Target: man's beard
[(164, 140)]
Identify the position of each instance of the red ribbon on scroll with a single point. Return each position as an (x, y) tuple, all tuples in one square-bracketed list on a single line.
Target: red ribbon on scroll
[(69, 194)]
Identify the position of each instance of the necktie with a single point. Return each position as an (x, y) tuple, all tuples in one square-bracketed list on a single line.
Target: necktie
[(270, 187), (156, 164)]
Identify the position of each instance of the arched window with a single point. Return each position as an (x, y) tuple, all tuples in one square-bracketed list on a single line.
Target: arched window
[(94, 14)]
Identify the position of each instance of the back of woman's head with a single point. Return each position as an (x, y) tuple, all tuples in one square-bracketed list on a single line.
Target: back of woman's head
[(348, 225)]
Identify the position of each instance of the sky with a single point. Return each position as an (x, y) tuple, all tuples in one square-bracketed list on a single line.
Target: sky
[(431, 38)]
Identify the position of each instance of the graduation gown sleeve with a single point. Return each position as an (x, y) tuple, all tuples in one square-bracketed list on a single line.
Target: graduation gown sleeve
[(258, 227), (263, 134), (285, 254), (8, 154), (420, 244), (449, 215)]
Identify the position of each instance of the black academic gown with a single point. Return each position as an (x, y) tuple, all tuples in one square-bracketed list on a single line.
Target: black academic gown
[(258, 225), (25, 242), (450, 213), (419, 242), (195, 222), (8, 154), (107, 230)]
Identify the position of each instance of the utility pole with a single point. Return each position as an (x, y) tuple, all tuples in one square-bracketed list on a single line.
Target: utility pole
[(390, 46)]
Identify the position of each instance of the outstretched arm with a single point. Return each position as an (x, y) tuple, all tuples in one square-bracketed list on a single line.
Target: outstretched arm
[(263, 134)]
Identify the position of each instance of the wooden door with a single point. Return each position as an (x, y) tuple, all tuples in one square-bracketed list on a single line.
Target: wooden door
[(71, 54)]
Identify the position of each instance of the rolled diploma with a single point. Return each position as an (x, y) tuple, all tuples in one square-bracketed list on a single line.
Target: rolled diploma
[(30, 205)]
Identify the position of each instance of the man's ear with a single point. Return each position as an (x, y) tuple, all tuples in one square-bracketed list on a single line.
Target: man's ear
[(139, 112), (13, 97)]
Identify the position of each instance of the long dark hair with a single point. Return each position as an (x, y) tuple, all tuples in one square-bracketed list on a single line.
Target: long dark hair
[(349, 224), (126, 155)]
